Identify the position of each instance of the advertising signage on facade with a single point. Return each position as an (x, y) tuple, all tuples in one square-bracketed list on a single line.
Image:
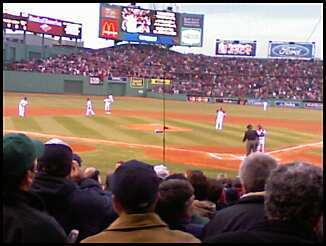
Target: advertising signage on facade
[(235, 48), (291, 50)]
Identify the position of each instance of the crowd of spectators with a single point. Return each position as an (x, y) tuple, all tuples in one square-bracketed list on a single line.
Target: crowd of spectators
[(191, 73), (50, 198)]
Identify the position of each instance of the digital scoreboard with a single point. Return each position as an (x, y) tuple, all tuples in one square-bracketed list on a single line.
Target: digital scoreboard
[(153, 26)]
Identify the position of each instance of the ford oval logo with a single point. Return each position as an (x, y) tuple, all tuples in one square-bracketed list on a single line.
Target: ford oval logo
[(290, 50)]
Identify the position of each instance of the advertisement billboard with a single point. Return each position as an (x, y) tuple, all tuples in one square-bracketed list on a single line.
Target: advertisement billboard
[(235, 48), (291, 50), (191, 30), (137, 83), (55, 27)]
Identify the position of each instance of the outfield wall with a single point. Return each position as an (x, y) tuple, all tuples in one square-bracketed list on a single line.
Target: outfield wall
[(18, 81)]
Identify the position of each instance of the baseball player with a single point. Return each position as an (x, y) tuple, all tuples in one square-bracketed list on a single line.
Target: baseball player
[(21, 107), (265, 105), (220, 114), (107, 104), (89, 108), (261, 132)]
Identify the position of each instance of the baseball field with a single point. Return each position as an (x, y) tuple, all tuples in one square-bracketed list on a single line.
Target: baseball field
[(192, 142)]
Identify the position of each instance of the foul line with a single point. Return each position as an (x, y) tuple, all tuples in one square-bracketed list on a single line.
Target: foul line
[(93, 140), (295, 147), (219, 156)]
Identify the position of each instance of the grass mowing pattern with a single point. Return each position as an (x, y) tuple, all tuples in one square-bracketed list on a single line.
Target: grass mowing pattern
[(30, 123), (77, 128)]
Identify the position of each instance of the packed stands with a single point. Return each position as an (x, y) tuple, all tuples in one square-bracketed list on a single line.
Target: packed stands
[(191, 73)]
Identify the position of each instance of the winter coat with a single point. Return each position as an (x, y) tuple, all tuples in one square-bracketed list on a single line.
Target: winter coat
[(24, 220), (85, 207)]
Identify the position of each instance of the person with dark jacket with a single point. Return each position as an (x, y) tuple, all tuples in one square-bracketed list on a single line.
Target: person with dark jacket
[(175, 206), (24, 217), (252, 140), (84, 206), (293, 206), (135, 193), (254, 170)]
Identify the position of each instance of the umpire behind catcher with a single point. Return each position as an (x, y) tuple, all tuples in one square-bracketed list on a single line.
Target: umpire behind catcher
[(252, 139)]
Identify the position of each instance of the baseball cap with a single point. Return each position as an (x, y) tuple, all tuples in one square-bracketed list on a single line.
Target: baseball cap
[(161, 171), (19, 153), (135, 184), (56, 159)]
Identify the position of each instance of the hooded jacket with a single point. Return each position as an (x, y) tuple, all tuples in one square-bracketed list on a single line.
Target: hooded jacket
[(84, 207)]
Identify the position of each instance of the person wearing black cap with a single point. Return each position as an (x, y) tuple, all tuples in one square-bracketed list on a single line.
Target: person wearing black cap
[(135, 194), (24, 217), (252, 139), (84, 206)]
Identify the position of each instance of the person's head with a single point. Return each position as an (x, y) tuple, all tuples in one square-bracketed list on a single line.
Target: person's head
[(134, 187), (254, 170), (294, 192), (56, 159), (25, 98), (20, 155), (118, 164), (76, 172), (215, 190), (162, 171), (176, 176), (221, 176), (199, 182), (259, 127), (88, 99), (175, 200), (249, 127), (107, 181)]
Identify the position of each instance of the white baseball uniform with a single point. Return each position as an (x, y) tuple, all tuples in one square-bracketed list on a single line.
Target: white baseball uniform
[(21, 107), (107, 104), (261, 140), (219, 119), (265, 105), (89, 108)]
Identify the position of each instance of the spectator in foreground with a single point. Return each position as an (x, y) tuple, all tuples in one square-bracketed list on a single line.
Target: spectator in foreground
[(204, 209), (293, 205), (254, 171), (24, 217), (175, 206), (84, 207), (215, 193), (135, 193)]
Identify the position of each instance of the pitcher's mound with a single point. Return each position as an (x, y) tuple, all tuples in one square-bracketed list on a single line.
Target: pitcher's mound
[(155, 128)]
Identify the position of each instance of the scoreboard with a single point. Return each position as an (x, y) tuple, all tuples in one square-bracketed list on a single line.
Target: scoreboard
[(153, 26)]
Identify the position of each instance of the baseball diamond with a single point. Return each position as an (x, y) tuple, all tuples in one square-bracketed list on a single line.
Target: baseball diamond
[(191, 137)]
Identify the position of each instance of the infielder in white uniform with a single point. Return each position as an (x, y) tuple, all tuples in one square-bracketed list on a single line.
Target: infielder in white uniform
[(107, 104), (261, 138), (265, 105), (220, 114), (21, 107), (89, 107)]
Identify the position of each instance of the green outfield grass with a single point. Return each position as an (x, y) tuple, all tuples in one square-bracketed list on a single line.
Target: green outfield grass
[(109, 127)]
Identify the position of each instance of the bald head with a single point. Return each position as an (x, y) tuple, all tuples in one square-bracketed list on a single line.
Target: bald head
[(254, 171)]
